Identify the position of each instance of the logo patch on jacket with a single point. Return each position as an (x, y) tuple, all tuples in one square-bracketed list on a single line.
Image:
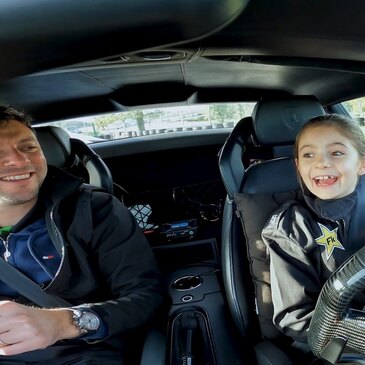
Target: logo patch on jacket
[(329, 240)]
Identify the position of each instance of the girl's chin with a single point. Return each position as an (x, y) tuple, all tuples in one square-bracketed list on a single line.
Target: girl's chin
[(324, 193)]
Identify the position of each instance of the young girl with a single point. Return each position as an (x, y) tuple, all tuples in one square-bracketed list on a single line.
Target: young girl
[(308, 241)]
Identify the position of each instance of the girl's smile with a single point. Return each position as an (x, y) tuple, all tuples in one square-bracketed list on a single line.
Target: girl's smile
[(328, 163)]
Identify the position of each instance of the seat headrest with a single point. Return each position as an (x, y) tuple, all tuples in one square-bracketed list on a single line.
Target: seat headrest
[(64, 152), (277, 122), (56, 146)]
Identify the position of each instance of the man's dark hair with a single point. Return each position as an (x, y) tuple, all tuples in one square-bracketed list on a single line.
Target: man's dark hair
[(8, 113)]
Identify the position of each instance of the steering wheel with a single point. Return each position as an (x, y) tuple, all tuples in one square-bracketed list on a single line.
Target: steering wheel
[(334, 325)]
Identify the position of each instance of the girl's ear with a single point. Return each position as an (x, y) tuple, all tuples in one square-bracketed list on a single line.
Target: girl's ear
[(362, 167), (296, 162)]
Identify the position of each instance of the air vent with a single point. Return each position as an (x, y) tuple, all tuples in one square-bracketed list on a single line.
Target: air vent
[(147, 56), (152, 56)]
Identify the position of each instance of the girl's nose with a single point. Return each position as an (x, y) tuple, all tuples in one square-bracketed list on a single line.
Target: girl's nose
[(323, 161)]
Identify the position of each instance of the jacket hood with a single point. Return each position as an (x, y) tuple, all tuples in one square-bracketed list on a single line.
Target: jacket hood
[(59, 184)]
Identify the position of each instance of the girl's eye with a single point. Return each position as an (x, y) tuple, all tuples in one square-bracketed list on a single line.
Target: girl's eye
[(308, 155), (337, 153)]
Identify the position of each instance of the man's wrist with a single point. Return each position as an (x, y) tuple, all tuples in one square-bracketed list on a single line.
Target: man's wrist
[(69, 330), (65, 324), (85, 320)]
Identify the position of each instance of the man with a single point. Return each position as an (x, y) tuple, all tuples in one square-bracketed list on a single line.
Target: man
[(79, 244)]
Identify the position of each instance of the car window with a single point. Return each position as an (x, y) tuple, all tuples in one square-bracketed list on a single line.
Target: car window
[(145, 122), (356, 108)]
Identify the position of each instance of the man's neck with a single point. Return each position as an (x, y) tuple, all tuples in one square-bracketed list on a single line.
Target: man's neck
[(11, 215)]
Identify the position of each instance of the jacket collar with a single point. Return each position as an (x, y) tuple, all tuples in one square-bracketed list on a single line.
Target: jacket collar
[(332, 209), (58, 184)]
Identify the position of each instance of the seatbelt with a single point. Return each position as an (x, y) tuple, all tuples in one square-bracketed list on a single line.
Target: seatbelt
[(357, 226), (28, 288)]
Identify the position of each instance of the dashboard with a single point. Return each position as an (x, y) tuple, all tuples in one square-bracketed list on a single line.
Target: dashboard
[(171, 185)]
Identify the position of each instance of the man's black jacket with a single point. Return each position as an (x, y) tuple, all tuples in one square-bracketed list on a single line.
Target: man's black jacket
[(105, 259)]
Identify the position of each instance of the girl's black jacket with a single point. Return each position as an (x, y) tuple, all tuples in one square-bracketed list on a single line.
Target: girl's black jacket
[(105, 259), (306, 241)]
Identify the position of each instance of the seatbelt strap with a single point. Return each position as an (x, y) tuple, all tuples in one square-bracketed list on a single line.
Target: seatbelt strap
[(357, 226), (28, 288)]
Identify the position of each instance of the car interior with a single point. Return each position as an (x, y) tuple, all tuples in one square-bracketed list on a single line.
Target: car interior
[(201, 196), (254, 192)]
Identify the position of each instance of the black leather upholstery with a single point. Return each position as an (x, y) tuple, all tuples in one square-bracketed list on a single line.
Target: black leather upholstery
[(64, 152), (56, 146), (99, 173), (230, 160), (253, 192), (276, 122)]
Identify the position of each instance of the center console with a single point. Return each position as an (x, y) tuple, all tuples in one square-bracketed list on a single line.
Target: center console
[(200, 329)]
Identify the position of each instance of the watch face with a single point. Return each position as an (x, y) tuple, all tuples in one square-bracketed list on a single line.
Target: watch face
[(89, 321)]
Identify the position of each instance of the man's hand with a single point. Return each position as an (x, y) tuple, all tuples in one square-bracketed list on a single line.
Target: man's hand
[(25, 328)]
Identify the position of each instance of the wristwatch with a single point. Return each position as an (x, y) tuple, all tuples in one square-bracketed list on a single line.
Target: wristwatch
[(85, 320)]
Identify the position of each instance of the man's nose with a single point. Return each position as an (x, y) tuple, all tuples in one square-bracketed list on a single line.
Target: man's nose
[(14, 157)]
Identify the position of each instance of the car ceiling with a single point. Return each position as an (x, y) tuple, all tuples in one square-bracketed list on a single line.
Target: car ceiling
[(117, 55)]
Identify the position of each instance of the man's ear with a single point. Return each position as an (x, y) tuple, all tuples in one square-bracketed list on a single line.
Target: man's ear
[(362, 167)]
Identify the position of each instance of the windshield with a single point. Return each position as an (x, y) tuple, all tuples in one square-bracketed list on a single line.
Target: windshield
[(155, 121)]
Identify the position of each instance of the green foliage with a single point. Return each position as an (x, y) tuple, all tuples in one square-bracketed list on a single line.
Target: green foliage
[(355, 107), (104, 120), (221, 112), (229, 112)]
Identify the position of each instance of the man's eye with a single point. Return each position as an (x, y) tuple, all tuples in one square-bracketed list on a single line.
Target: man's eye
[(29, 148)]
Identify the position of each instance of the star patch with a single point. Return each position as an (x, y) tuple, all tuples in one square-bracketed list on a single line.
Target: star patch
[(329, 240)]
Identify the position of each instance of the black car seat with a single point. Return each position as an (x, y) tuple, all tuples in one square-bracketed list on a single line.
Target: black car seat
[(78, 158), (70, 154), (258, 172)]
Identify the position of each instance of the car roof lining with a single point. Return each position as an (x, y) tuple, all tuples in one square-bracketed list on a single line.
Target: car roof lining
[(245, 51), (56, 34), (97, 91)]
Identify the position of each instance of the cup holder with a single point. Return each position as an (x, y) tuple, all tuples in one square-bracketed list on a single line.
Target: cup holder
[(187, 282)]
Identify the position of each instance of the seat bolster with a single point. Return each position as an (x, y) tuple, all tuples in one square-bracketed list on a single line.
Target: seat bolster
[(230, 156), (237, 281), (267, 177), (269, 354), (99, 173)]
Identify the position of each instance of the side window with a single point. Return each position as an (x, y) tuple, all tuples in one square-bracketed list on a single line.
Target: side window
[(356, 108)]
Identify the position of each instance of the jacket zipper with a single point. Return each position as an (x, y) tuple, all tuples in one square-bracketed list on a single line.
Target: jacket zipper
[(7, 252), (342, 225), (44, 267), (58, 236)]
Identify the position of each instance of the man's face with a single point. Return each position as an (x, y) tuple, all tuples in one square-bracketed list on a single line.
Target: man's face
[(23, 166), (328, 162)]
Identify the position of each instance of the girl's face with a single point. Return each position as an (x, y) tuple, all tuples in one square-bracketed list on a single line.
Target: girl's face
[(328, 162)]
